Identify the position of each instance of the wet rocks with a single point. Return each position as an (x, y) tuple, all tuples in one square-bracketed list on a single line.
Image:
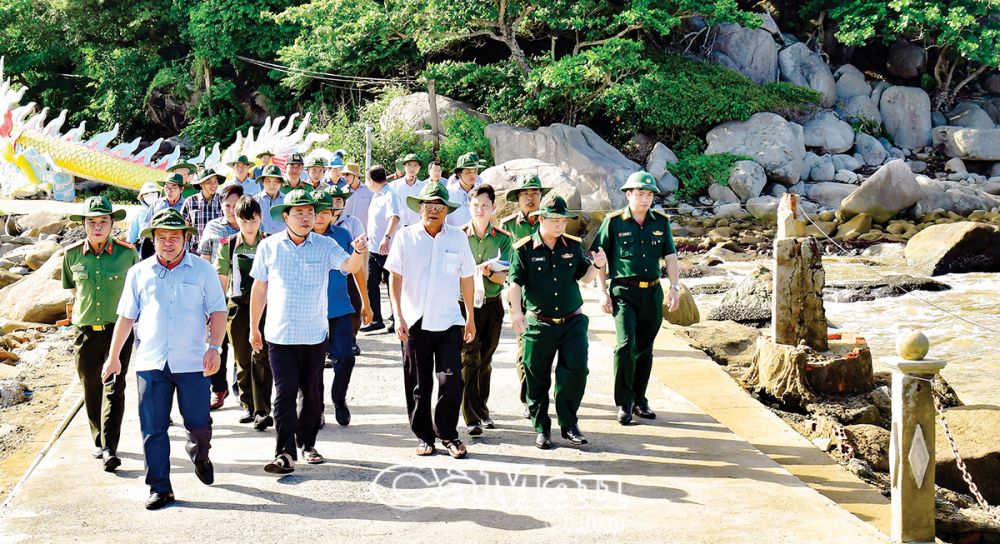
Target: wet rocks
[(890, 190), (771, 141), (953, 248), (893, 285), (748, 302)]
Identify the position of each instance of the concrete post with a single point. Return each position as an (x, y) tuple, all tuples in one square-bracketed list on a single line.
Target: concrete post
[(911, 449)]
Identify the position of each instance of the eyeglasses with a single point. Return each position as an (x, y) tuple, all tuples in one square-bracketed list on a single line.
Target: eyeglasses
[(434, 207)]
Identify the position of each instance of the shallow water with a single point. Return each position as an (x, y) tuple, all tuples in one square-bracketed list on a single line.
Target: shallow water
[(972, 352)]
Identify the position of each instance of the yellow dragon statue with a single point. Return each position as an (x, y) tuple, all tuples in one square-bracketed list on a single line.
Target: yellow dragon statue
[(36, 158)]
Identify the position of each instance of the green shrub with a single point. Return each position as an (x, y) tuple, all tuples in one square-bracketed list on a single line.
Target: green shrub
[(465, 133), (696, 171)]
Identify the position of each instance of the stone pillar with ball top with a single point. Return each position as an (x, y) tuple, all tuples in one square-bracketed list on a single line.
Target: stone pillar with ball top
[(911, 445)]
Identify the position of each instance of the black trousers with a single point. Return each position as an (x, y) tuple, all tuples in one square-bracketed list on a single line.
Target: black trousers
[(297, 368), (220, 381), (477, 360), (105, 404), (253, 370), (430, 356), (377, 274)]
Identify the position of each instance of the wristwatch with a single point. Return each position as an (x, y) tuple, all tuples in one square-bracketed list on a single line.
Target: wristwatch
[(216, 348), (675, 287)]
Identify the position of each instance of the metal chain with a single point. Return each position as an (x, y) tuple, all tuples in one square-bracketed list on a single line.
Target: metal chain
[(973, 488)]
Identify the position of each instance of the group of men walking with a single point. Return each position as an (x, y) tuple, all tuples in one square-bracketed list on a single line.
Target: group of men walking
[(241, 264)]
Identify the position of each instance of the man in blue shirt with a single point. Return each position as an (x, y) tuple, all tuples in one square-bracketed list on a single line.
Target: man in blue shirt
[(167, 300), (289, 269), (271, 196), (339, 308)]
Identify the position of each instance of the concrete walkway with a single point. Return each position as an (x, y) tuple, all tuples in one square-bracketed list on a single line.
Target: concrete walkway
[(682, 478)]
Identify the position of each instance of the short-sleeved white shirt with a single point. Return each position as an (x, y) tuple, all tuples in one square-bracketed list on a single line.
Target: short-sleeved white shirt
[(431, 267), (384, 206)]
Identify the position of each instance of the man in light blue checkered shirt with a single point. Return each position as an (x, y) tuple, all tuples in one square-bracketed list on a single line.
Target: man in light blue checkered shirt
[(291, 271)]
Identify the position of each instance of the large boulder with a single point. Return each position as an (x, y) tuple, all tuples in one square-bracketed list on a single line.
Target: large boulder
[(850, 83), (829, 193), (727, 342), (413, 111), (871, 150), (40, 223), (952, 197), (748, 302), (686, 313), (827, 133), (764, 208), (954, 248), (768, 139), (906, 116), (656, 165), (969, 115), (976, 429), (871, 443), (891, 285), (890, 190), (804, 67), (747, 179), (861, 109), (974, 144), (598, 169), (38, 298), (906, 60), (722, 194), (506, 176), (749, 51), (40, 253)]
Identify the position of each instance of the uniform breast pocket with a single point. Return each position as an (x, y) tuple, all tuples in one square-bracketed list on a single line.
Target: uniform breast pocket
[(626, 247), (190, 296), (79, 273)]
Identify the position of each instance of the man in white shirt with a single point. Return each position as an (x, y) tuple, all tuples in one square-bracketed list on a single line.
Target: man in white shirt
[(383, 220), (408, 185), (460, 186), (430, 265)]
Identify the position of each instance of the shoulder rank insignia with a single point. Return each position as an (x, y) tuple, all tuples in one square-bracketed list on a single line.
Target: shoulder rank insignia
[(520, 243), (571, 237)]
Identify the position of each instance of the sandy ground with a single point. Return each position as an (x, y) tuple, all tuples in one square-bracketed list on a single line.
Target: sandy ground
[(682, 478)]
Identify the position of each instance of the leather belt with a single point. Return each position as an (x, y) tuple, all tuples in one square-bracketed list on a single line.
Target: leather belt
[(557, 320), (96, 328), (633, 282)]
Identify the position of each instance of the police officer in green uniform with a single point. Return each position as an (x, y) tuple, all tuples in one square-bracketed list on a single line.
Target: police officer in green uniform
[(634, 240), (545, 271), (528, 196), (95, 270)]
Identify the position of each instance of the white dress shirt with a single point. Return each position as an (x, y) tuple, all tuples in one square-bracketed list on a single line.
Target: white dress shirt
[(460, 196), (384, 206), (407, 216), (431, 268)]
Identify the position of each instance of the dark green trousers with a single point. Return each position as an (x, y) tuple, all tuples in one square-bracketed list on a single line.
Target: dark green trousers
[(520, 371), (253, 370), (105, 404), (638, 317), (565, 344), (477, 360)]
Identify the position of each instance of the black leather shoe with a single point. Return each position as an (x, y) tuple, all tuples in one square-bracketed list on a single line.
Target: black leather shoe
[(543, 441), (488, 423), (625, 414), (644, 412), (574, 435), (262, 422), (373, 326), (98, 453), (342, 413), (158, 500), (247, 417), (205, 471), (356, 349), (329, 362), (475, 429), (111, 461)]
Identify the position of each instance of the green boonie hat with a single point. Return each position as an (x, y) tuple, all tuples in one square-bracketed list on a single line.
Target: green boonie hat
[(265, 154), (210, 173), (183, 164), (554, 208), (176, 179), (167, 219), (469, 160), (352, 168), (411, 157), (429, 193), (641, 180), (241, 159), (296, 197), (324, 197), (336, 191), (527, 182), (271, 171), (296, 158), (97, 206), (318, 161)]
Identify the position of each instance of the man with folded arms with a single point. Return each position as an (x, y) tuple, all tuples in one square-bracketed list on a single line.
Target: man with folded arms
[(430, 265), (168, 298), (291, 271)]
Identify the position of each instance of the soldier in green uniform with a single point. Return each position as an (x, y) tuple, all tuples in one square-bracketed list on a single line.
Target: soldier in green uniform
[(487, 242), (520, 224), (634, 240), (293, 174), (95, 270), (189, 172), (545, 271)]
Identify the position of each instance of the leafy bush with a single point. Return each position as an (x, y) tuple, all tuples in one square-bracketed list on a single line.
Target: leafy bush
[(696, 171), (465, 133)]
